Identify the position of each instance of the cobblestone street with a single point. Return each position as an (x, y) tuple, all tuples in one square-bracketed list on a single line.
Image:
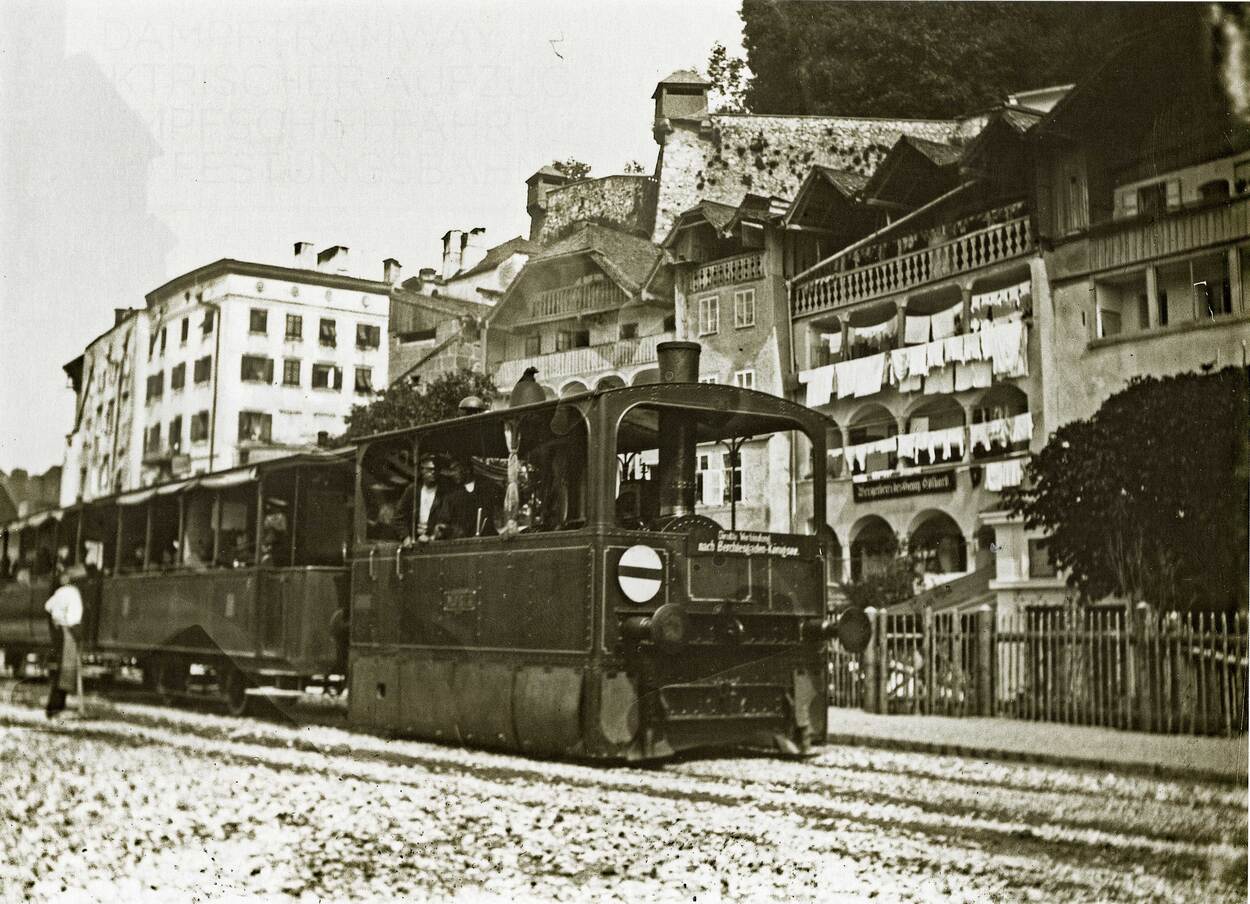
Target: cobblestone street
[(150, 804)]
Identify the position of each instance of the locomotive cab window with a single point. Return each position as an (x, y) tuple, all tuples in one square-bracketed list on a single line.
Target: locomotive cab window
[(682, 467), (502, 474)]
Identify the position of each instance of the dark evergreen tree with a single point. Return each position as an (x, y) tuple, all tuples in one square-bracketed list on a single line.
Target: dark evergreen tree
[(404, 405)]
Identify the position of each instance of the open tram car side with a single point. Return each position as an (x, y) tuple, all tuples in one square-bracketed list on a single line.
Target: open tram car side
[(240, 573), (619, 624)]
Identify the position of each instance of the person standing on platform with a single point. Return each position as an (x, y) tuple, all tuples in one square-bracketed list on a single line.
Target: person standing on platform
[(64, 609)]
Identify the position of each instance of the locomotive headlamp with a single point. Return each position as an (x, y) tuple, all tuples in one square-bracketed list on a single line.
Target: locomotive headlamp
[(666, 627)]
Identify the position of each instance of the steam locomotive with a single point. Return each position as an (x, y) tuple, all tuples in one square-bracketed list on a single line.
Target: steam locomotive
[(581, 606)]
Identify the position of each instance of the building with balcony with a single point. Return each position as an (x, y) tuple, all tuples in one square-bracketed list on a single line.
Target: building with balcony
[(229, 363), (1143, 199), (921, 340)]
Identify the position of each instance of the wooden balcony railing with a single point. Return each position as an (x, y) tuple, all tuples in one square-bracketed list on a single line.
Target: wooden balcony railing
[(1000, 242), (570, 301), (591, 362), (1186, 230), (729, 271)]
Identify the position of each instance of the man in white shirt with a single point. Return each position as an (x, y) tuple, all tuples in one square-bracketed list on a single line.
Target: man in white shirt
[(425, 500), (64, 608)]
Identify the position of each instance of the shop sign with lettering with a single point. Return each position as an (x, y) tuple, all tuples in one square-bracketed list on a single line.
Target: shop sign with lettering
[(895, 487)]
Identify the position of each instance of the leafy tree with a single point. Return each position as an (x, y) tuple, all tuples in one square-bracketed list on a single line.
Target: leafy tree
[(729, 77), (1146, 500), (633, 167), (406, 405), (573, 168), (923, 59)]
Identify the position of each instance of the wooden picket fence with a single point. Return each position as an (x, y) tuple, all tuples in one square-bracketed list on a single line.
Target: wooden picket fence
[(1167, 672)]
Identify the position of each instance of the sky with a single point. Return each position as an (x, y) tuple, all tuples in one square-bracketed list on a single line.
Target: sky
[(143, 140)]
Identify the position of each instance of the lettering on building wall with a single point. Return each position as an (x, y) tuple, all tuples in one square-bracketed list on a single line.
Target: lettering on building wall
[(895, 487)]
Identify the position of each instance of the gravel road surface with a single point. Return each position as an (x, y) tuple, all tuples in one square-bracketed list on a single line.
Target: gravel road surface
[(142, 803)]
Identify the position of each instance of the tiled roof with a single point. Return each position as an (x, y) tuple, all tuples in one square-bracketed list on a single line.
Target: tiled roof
[(500, 253), (627, 258), (940, 153), (848, 183)]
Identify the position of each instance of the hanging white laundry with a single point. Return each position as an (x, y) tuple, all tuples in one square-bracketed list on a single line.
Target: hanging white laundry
[(963, 377), (1001, 474), (944, 322), (994, 476), (917, 360), (1004, 343), (907, 445), (972, 347), (833, 341), (878, 331), (899, 364), (934, 355), (979, 435), (916, 329), (819, 382), (942, 380), (869, 375), (844, 377), (953, 349), (1020, 429), (999, 432), (859, 454), (974, 375), (913, 383)]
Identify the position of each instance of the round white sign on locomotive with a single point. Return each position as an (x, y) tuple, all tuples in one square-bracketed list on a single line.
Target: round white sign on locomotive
[(640, 573)]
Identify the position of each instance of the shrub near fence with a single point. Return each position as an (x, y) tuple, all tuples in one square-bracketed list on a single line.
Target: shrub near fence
[(1136, 669)]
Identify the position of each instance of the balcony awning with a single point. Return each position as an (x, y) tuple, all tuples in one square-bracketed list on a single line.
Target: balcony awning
[(136, 497), (170, 488), (228, 479)]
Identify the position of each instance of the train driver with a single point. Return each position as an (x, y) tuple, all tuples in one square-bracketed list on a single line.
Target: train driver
[(467, 509), (422, 501)]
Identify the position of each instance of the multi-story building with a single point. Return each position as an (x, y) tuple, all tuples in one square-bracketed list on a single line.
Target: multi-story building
[(105, 448), (229, 363), (430, 335), (922, 342)]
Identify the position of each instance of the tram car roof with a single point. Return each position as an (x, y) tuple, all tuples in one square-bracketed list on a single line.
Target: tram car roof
[(768, 413), (343, 455)]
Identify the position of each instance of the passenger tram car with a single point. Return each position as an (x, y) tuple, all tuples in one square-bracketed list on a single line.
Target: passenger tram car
[(573, 602)]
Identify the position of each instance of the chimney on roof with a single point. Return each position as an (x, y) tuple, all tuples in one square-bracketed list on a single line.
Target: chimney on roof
[(120, 314), (392, 270), (427, 275), (453, 252), (474, 248), (305, 257), (538, 186), (333, 259)]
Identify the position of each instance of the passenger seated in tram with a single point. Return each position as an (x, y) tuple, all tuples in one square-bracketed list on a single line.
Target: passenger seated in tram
[(275, 544)]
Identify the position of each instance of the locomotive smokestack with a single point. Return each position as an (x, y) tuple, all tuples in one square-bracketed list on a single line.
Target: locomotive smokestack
[(679, 363)]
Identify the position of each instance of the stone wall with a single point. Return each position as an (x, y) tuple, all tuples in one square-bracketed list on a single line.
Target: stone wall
[(771, 155), (624, 202)]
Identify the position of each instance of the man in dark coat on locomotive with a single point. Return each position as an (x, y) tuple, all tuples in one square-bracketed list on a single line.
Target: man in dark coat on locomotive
[(468, 508), (421, 502)]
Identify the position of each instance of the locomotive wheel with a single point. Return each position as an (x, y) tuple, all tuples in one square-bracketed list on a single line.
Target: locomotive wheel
[(171, 677), (234, 685)]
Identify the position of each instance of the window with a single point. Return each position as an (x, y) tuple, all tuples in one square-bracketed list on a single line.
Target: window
[(1040, 565), (290, 372), (156, 386), (326, 334), (629, 331), (745, 379), (206, 325), (533, 346), (327, 376), (744, 308), (258, 321), (184, 330), (716, 481), (199, 427), (255, 426), (711, 378), (294, 327), (364, 380), (175, 434), (204, 369), (567, 339), (368, 336), (256, 369), (709, 315), (178, 376), (670, 322), (152, 438), (164, 336)]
